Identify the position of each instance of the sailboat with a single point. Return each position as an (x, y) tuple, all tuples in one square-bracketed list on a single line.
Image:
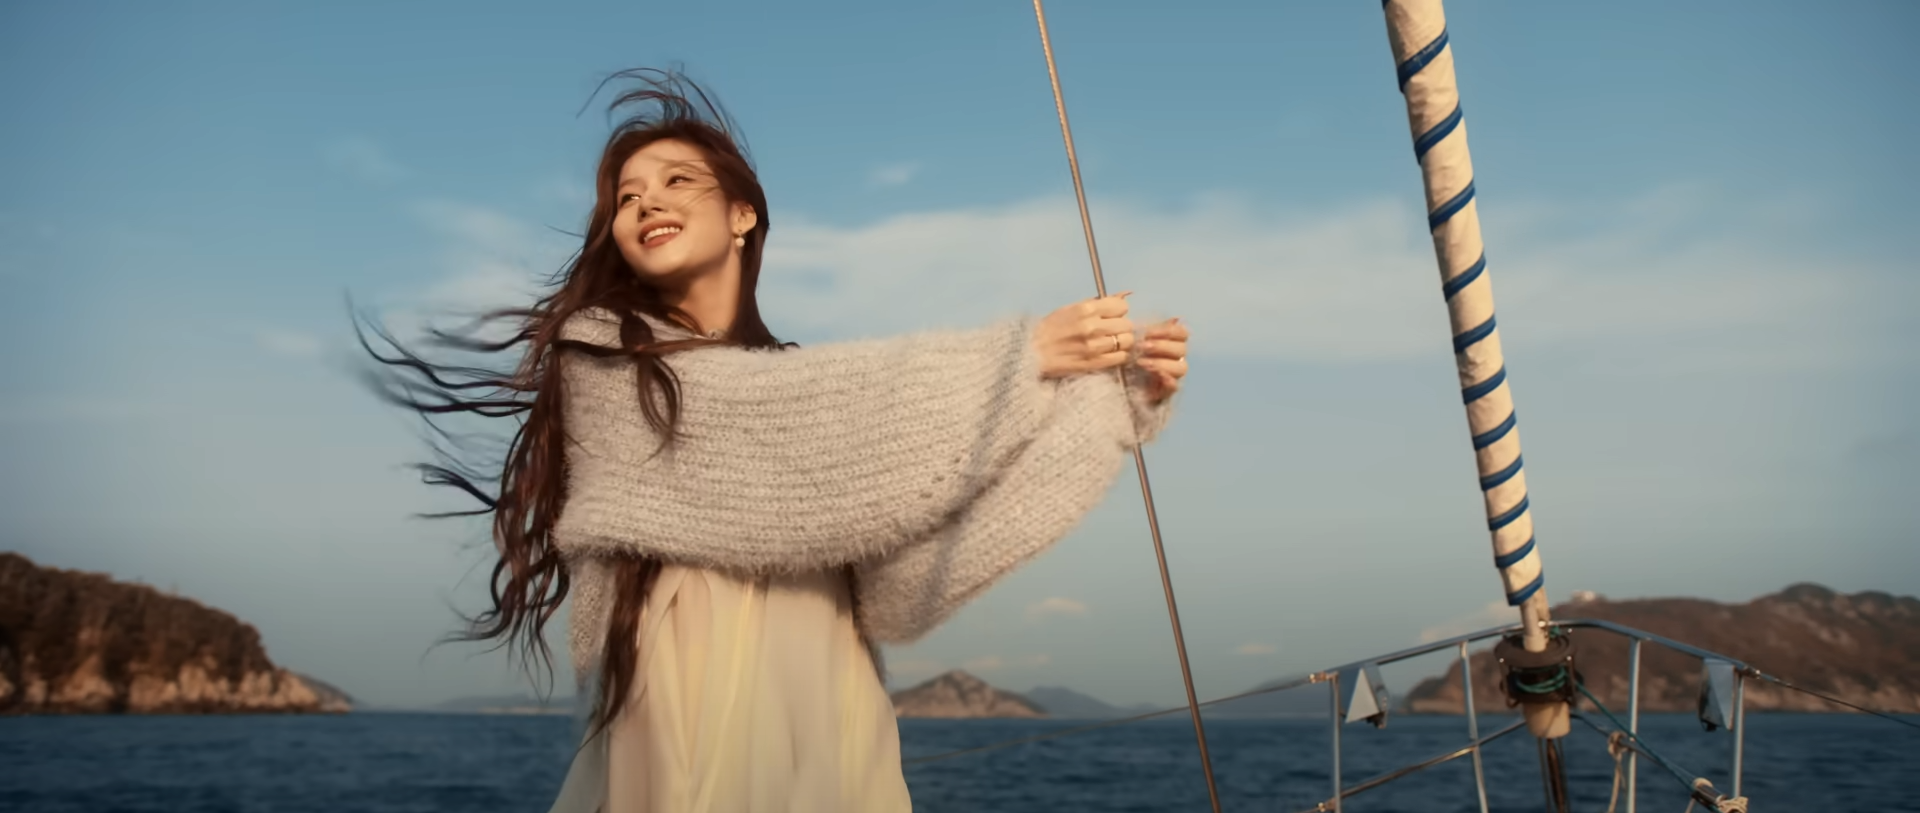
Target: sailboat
[(1538, 658)]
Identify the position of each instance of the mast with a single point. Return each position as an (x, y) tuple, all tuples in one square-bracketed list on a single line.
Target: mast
[(1417, 31)]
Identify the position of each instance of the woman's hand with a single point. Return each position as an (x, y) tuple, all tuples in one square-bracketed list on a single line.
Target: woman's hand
[(1163, 355), (1083, 337)]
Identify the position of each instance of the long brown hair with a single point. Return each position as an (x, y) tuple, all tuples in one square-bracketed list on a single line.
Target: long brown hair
[(530, 580)]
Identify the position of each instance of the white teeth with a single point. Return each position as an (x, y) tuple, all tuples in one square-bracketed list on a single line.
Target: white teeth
[(652, 233)]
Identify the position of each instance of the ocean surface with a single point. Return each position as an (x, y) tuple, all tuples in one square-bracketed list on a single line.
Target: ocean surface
[(429, 763)]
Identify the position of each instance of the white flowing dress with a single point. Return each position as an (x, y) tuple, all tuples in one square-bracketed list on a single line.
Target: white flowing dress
[(751, 695)]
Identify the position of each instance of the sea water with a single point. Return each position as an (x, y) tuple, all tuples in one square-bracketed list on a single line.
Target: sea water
[(428, 763)]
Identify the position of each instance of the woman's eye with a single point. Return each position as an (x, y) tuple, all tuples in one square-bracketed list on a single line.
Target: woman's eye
[(625, 199), (676, 179)]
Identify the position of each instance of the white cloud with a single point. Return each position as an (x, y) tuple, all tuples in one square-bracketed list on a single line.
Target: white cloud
[(363, 159), (894, 174), (1251, 283), (492, 260), (1348, 283), (1055, 606), (568, 191), (478, 235), (1255, 649), (1650, 283), (1493, 614)]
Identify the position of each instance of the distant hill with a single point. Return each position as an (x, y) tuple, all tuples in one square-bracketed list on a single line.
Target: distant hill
[(1301, 701), (81, 643), (1068, 704), (958, 694), (1863, 648), (332, 698)]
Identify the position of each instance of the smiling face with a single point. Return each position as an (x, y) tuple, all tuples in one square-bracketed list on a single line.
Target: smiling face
[(673, 224)]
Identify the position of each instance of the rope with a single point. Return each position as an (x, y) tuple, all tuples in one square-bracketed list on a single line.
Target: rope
[(1698, 788), (1555, 682), (1834, 700), (1139, 457), (1617, 748), (1634, 739), (1100, 725)]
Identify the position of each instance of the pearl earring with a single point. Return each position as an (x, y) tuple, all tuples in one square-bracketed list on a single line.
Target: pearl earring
[(740, 240)]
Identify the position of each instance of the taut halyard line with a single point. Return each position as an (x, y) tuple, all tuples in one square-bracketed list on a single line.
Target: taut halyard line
[(1139, 457)]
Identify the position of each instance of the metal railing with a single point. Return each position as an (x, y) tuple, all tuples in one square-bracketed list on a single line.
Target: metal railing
[(1729, 709)]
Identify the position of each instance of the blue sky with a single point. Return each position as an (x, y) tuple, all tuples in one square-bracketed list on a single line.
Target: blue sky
[(1697, 218)]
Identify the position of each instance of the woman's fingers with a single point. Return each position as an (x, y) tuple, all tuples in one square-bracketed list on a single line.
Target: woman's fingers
[(1102, 330), (1175, 367), (1106, 307), (1106, 344), (1167, 340), (1163, 348), (1095, 334), (1163, 354), (1172, 329)]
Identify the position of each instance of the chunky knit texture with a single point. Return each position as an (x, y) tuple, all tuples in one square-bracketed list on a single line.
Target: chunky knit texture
[(1038, 499), (933, 464)]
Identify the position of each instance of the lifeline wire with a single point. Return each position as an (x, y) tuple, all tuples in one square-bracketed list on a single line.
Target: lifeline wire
[(1686, 778), (1050, 735), (1837, 700), (1139, 458)]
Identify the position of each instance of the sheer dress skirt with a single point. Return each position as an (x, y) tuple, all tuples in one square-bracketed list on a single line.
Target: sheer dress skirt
[(752, 695)]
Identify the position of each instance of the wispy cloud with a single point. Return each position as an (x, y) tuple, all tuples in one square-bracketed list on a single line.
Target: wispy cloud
[(1493, 614), (363, 159), (1350, 283), (1055, 606), (894, 174), (567, 191), (491, 259), (1255, 649), (1353, 283)]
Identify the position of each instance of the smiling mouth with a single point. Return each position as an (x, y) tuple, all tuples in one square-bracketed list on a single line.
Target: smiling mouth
[(658, 236)]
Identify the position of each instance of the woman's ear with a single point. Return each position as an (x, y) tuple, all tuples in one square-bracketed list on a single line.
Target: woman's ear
[(744, 219)]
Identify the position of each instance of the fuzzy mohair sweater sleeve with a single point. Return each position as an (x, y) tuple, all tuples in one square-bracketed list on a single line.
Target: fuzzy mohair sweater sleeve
[(792, 460), (934, 463), (1037, 500)]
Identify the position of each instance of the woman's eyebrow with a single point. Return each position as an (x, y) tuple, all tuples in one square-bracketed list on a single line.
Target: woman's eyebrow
[(695, 167)]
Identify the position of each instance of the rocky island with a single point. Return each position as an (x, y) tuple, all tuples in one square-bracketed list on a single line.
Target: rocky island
[(81, 643), (1863, 648), (957, 694)]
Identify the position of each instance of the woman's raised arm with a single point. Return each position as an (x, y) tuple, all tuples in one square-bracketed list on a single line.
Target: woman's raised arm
[(1043, 496), (796, 459)]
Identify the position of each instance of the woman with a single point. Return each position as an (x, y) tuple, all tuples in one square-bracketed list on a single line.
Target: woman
[(740, 522)]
